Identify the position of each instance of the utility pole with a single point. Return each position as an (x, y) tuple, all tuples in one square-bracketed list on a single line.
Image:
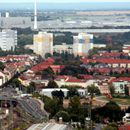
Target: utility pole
[(1, 118), (91, 113), (11, 114)]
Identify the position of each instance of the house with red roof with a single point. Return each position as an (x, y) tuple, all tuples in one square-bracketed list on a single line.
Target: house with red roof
[(112, 63), (73, 81), (126, 49), (103, 87), (120, 83)]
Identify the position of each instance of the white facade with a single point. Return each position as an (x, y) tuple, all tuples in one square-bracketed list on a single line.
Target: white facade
[(82, 44), (7, 14), (63, 48), (8, 40), (99, 45), (120, 86), (48, 92), (126, 118), (43, 43), (2, 78)]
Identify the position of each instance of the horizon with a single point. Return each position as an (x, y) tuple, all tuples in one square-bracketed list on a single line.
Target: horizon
[(68, 6)]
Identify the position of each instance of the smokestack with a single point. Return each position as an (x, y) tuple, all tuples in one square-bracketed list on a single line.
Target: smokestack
[(35, 15)]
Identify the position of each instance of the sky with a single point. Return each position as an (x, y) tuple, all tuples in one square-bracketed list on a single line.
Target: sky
[(61, 1)]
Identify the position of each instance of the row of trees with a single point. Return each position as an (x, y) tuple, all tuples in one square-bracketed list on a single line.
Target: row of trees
[(77, 112)]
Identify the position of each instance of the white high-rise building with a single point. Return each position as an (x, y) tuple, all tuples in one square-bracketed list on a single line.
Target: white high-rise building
[(82, 44), (43, 43), (8, 40), (35, 15), (7, 14)]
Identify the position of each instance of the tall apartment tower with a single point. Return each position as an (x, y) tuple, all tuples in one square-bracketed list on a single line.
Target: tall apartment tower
[(8, 40), (35, 15), (82, 44), (43, 43)]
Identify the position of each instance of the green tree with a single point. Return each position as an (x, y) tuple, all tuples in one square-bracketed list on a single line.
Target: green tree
[(51, 105), (92, 89), (112, 126), (113, 111), (31, 88), (65, 116), (17, 84), (74, 105), (112, 90), (74, 108), (47, 55), (72, 92), (48, 72), (59, 95), (52, 84), (126, 90), (2, 66)]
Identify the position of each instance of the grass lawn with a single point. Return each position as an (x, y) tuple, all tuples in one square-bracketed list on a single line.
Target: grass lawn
[(121, 101)]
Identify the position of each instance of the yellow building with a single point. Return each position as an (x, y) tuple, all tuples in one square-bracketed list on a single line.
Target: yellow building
[(43, 43), (82, 44)]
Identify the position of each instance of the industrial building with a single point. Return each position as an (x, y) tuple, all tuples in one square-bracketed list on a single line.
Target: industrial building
[(10, 22), (82, 44), (48, 126), (8, 39), (43, 43)]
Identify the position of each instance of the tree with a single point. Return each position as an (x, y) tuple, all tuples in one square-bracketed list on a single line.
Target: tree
[(113, 111), (65, 116), (51, 105), (92, 89), (126, 90), (31, 88), (72, 92), (111, 126), (59, 95), (74, 108), (112, 90), (48, 55), (74, 105), (52, 84), (48, 72), (2, 66), (16, 83)]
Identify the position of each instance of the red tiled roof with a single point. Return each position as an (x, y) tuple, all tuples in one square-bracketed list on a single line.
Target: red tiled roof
[(75, 80), (44, 65), (57, 66), (70, 79), (127, 48), (23, 77), (124, 127), (107, 61), (120, 79), (103, 70), (86, 76)]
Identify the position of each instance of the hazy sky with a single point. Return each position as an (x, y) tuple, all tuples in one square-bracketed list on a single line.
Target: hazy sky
[(61, 1)]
